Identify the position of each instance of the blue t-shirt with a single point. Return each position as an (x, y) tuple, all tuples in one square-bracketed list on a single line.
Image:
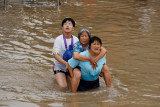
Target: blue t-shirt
[(87, 72), (77, 47)]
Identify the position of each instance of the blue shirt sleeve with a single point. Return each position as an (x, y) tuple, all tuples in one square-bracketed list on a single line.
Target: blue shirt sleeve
[(73, 62), (104, 59)]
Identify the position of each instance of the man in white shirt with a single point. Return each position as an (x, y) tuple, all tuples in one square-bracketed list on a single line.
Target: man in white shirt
[(61, 44)]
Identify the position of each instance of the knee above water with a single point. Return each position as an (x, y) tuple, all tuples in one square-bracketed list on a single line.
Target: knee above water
[(77, 74), (105, 69)]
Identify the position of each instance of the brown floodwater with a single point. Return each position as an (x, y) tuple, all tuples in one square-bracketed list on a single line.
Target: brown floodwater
[(129, 29)]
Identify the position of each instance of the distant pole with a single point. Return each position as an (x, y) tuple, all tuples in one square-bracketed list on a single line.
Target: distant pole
[(58, 4), (5, 4)]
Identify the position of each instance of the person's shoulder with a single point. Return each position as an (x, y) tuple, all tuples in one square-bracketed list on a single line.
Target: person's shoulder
[(103, 59), (77, 43), (75, 38), (59, 37), (85, 53)]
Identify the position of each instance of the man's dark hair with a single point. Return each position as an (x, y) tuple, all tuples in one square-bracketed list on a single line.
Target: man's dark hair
[(95, 38), (68, 19)]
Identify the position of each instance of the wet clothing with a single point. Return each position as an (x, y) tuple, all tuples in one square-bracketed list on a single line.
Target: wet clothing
[(85, 85), (57, 71), (77, 47), (87, 81), (59, 48), (87, 72)]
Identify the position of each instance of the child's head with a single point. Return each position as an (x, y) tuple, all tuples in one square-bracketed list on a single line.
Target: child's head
[(69, 20), (68, 25)]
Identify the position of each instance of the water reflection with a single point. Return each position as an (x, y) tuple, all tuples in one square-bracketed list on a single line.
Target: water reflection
[(145, 14), (129, 30)]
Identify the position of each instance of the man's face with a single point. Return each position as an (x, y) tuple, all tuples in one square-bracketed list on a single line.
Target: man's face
[(68, 27), (84, 38)]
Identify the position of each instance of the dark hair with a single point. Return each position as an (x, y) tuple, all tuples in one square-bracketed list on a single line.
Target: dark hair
[(68, 19), (95, 38)]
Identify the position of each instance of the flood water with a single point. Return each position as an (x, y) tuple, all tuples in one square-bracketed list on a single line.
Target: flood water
[(129, 29)]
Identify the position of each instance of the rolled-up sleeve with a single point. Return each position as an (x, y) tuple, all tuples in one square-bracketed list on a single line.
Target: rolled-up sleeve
[(56, 47)]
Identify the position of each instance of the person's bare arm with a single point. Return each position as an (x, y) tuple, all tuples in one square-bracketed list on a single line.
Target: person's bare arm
[(69, 69), (94, 60), (102, 53), (59, 59), (80, 57)]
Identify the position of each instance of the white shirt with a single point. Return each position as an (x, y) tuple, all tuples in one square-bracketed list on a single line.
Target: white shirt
[(59, 48)]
